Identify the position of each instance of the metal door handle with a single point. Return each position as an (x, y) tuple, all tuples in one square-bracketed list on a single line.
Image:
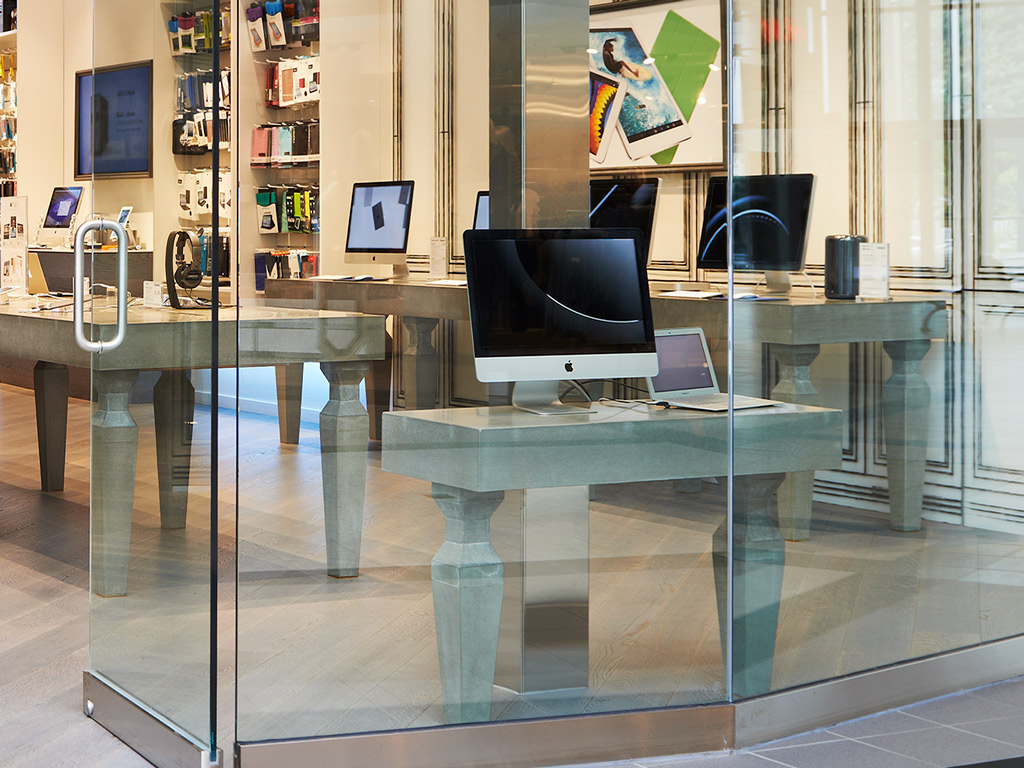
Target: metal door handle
[(122, 286)]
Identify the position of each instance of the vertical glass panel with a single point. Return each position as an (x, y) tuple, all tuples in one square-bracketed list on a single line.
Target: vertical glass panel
[(470, 562), (903, 541), (140, 127), (1000, 130)]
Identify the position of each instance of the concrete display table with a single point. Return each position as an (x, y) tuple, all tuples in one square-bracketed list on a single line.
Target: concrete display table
[(472, 456), (795, 328), (173, 342)]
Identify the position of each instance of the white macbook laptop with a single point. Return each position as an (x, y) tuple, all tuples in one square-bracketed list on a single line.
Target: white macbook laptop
[(686, 378)]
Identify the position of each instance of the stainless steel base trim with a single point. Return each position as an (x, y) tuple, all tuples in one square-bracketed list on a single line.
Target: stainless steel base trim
[(523, 744), (141, 730), (803, 709)]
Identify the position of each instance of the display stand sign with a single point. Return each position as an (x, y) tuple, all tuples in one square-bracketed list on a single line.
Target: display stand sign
[(13, 241), (874, 271)]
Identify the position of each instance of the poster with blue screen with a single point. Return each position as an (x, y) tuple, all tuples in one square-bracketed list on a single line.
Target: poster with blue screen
[(114, 121)]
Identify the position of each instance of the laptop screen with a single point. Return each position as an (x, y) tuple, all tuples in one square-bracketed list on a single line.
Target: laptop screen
[(682, 364)]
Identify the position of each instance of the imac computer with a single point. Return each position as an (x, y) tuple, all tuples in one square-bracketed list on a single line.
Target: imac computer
[(624, 202), (482, 212), (770, 215), (378, 223), (57, 226), (548, 305)]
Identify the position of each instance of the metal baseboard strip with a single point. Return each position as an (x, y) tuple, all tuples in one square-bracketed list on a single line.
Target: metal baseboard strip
[(521, 744), (141, 730), (815, 706)]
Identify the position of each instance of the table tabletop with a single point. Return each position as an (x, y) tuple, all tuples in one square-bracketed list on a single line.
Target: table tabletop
[(500, 448), (161, 338)]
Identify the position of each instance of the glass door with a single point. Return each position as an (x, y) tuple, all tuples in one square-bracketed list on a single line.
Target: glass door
[(150, 101)]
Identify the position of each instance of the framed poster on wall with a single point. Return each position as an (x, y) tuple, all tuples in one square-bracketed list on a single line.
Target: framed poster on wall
[(114, 121), (657, 88)]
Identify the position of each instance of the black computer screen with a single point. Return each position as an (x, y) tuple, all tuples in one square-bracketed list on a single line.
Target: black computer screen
[(770, 215), (624, 202), (545, 292), (62, 207), (379, 219)]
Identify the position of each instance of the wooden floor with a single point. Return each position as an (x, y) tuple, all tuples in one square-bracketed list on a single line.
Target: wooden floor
[(319, 656)]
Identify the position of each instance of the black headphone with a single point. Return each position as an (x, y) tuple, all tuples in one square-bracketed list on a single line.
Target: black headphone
[(187, 274)]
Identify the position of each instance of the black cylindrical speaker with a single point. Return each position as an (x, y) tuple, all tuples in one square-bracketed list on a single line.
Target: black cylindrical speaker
[(842, 266)]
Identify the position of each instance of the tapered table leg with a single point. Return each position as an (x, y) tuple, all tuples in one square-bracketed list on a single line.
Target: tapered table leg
[(419, 363), (905, 399), (51, 391), (468, 582), (115, 442), (343, 434), (174, 407), (759, 558), (289, 401), (795, 386)]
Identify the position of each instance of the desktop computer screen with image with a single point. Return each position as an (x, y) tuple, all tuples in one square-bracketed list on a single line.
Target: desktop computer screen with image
[(770, 216), (549, 305), (62, 208), (378, 222)]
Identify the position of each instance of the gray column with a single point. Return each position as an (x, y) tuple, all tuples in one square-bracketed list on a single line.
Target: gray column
[(174, 407), (543, 537), (539, 158), (344, 430), (467, 577), (115, 443), (289, 401), (50, 382), (419, 363), (905, 400), (797, 493), (759, 558)]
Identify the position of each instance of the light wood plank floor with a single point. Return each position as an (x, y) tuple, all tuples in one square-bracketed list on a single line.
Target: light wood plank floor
[(319, 656)]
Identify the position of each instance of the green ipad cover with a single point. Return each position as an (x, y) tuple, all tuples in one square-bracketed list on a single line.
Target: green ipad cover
[(683, 53)]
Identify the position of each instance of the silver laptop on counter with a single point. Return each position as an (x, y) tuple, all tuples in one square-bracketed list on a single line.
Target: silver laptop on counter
[(686, 378)]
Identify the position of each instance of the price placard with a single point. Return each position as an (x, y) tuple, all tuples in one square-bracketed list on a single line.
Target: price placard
[(874, 271)]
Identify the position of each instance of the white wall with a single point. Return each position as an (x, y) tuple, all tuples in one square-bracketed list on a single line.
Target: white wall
[(55, 40)]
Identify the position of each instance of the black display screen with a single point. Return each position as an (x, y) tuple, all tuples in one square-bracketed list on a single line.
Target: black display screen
[(551, 292), (770, 216), (624, 203)]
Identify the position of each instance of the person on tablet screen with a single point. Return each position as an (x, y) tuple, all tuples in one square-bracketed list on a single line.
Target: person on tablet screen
[(622, 67)]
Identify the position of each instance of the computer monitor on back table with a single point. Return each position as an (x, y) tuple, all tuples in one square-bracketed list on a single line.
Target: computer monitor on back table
[(770, 216), (378, 223), (59, 219)]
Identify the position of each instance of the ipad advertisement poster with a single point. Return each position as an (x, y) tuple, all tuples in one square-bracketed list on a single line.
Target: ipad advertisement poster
[(656, 86)]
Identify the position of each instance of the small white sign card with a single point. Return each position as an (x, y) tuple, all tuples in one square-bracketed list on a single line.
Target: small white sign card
[(438, 257), (874, 271)]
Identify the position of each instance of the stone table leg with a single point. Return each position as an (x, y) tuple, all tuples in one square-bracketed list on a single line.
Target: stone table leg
[(795, 386), (759, 557), (344, 428), (115, 442), (419, 363), (289, 401), (174, 407), (905, 399), (51, 390), (468, 582)]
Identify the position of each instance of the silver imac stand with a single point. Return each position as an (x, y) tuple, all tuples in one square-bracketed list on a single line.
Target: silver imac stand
[(777, 282), (541, 397)]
